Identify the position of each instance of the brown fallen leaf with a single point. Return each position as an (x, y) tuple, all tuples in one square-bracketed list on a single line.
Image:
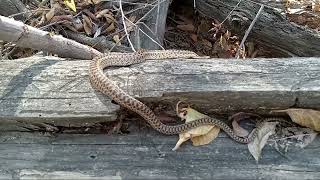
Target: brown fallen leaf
[(305, 117), (102, 13), (116, 39), (206, 138), (50, 14), (199, 136), (255, 147), (194, 37), (236, 118), (223, 43), (87, 24), (111, 27), (109, 18), (130, 23), (238, 130)]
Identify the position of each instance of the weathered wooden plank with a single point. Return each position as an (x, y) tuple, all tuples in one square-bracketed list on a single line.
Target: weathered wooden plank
[(55, 90), (147, 155)]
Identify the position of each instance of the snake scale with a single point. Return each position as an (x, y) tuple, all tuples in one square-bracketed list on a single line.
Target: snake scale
[(103, 84)]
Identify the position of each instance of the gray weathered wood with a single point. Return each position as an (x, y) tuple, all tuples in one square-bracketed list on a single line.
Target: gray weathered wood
[(146, 155), (58, 91), (153, 24), (14, 7), (272, 28), (30, 37)]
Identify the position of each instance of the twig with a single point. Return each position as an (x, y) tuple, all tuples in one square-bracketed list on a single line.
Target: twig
[(24, 12), (248, 31), (127, 2), (155, 41), (157, 19), (145, 33), (139, 20), (51, 24), (234, 8), (125, 27), (116, 44)]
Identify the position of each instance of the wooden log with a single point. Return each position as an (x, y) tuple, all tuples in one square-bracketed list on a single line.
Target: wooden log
[(146, 155), (30, 37), (49, 89), (272, 28)]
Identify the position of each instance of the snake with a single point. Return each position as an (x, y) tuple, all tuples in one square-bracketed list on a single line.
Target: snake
[(109, 88)]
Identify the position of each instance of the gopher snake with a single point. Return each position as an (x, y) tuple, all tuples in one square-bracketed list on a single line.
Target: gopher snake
[(109, 88)]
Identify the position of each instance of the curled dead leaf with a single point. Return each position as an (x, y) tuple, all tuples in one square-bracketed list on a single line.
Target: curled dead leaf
[(194, 37), (223, 43), (102, 13), (110, 28), (50, 14), (238, 130), (206, 138), (304, 117), (130, 23), (87, 25), (199, 136), (116, 39), (255, 147), (109, 18)]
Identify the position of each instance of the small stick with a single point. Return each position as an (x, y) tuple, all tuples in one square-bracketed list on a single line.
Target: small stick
[(125, 27), (248, 31)]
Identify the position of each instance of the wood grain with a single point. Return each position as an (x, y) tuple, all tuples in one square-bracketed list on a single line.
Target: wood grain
[(58, 91), (147, 155)]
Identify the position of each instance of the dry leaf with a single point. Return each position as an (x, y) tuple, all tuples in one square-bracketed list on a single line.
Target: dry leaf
[(236, 118), (129, 23), (199, 136), (109, 18), (305, 117), (87, 20), (207, 138), (50, 14), (223, 43), (194, 37), (238, 130), (110, 28), (182, 138), (70, 27), (96, 1), (255, 147), (71, 5), (186, 27), (316, 6), (116, 39), (227, 35), (102, 13), (87, 25), (250, 49)]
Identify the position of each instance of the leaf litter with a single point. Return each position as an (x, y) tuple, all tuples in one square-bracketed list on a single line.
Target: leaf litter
[(283, 139)]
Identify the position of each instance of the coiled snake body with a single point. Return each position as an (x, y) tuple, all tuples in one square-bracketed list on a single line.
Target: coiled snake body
[(103, 84)]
